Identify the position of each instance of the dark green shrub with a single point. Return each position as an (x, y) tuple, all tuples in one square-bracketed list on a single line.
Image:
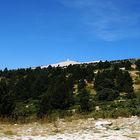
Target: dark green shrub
[(84, 100), (107, 94)]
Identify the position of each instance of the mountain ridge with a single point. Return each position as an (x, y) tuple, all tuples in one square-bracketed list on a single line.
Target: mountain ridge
[(67, 63), (72, 62)]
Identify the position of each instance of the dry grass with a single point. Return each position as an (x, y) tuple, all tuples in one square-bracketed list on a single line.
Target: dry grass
[(68, 125), (136, 87), (134, 136), (90, 88), (9, 132), (136, 79)]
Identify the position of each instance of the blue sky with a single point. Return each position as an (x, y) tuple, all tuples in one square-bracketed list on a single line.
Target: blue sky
[(41, 32)]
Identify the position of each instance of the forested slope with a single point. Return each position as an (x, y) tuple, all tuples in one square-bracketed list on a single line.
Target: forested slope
[(104, 89)]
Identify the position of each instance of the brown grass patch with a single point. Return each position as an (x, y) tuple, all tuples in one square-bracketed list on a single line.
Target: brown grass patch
[(9, 133)]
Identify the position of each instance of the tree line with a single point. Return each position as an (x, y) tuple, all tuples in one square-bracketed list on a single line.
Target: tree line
[(24, 92)]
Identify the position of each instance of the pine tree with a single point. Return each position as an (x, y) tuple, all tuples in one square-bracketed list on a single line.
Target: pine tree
[(84, 100)]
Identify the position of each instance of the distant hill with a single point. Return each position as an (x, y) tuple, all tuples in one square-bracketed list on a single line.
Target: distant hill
[(67, 63), (63, 64), (72, 62)]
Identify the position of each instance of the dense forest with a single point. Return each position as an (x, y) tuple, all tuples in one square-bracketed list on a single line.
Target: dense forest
[(103, 89)]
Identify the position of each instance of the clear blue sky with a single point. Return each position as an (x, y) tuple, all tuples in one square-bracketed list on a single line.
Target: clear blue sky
[(41, 32)]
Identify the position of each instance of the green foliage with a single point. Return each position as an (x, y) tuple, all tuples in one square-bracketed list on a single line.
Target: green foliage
[(128, 65), (138, 64), (109, 83), (24, 110), (107, 94), (6, 105), (61, 95), (58, 96), (84, 100), (124, 82), (45, 106), (6, 100), (27, 92), (81, 84), (138, 95), (103, 65)]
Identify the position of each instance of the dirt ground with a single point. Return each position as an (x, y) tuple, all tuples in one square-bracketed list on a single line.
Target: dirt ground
[(81, 129)]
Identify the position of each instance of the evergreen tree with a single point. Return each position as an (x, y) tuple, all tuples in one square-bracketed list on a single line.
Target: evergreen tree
[(107, 94), (84, 100), (7, 104), (45, 107), (81, 84), (128, 65), (137, 64)]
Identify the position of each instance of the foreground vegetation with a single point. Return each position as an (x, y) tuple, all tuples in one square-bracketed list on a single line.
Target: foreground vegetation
[(103, 89)]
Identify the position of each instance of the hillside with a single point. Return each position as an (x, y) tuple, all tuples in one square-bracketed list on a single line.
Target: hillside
[(106, 89)]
